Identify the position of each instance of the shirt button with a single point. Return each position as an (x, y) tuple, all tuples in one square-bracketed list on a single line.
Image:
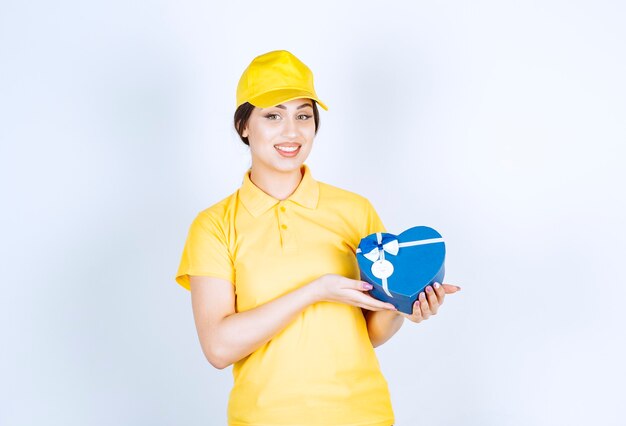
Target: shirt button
[(282, 208), (283, 226)]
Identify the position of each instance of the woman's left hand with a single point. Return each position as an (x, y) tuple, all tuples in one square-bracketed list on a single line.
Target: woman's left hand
[(429, 301)]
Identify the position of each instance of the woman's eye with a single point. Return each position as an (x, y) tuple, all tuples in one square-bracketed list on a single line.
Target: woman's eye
[(274, 117)]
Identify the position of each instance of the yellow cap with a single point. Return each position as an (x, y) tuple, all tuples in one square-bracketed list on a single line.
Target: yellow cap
[(275, 77)]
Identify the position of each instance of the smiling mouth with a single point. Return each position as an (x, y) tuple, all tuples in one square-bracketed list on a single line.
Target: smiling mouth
[(288, 148)]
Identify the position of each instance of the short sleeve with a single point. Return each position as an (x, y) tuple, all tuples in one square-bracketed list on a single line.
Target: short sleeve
[(205, 252), (373, 222)]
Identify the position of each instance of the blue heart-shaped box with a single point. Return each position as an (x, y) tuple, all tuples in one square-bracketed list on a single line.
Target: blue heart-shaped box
[(419, 262)]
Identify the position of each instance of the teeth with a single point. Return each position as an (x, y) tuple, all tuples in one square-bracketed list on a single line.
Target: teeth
[(288, 148)]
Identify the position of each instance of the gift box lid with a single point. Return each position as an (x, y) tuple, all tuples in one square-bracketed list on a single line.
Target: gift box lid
[(403, 264)]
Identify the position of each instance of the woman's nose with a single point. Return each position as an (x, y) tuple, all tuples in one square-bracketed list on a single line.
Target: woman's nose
[(291, 127)]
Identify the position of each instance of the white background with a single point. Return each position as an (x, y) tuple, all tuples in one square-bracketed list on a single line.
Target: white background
[(499, 123)]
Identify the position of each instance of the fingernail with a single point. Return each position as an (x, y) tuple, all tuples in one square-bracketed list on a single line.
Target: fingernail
[(437, 285), (422, 296), (417, 303), (458, 288), (367, 286), (429, 289)]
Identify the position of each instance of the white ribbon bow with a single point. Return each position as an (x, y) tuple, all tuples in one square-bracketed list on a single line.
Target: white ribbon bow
[(376, 254), (391, 247)]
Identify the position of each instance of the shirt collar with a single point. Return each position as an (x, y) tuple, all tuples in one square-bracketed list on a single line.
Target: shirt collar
[(258, 202)]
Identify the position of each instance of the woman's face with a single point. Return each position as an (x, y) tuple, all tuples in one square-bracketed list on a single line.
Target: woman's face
[(281, 137)]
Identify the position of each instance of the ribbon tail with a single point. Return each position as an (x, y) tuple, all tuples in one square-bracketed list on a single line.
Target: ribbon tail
[(386, 288)]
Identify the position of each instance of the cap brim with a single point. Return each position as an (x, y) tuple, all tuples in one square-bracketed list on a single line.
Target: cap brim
[(275, 97)]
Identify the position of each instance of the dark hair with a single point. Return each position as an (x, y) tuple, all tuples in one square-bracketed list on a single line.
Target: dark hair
[(242, 115)]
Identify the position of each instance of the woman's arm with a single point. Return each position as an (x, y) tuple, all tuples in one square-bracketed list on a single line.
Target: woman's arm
[(381, 326), (227, 336)]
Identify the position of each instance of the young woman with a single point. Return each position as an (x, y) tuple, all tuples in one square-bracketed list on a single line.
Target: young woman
[(273, 274)]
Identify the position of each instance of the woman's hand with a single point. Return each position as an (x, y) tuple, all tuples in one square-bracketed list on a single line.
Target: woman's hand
[(429, 301), (336, 288)]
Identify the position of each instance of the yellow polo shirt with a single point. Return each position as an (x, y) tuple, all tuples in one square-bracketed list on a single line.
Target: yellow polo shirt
[(321, 369)]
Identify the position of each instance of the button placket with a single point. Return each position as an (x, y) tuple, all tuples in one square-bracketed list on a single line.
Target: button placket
[(282, 225), (286, 234)]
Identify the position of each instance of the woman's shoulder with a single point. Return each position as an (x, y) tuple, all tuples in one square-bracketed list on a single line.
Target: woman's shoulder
[(218, 212), (336, 193)]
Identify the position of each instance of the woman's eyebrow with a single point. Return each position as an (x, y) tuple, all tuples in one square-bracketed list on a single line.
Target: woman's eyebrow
[(301, 106)]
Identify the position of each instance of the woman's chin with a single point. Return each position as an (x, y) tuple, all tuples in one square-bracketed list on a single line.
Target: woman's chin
[(286, 165), (290, 166)]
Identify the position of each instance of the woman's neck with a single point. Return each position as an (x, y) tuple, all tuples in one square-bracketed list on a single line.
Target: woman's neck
[(277, 184)]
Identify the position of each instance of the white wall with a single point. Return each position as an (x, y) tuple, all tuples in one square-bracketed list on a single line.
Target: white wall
[(501, 124)]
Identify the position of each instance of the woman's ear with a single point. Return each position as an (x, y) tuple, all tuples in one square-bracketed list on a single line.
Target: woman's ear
[(244, 133)]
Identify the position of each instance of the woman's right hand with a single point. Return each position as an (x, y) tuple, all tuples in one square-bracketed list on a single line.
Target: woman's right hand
[(337, 288)]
